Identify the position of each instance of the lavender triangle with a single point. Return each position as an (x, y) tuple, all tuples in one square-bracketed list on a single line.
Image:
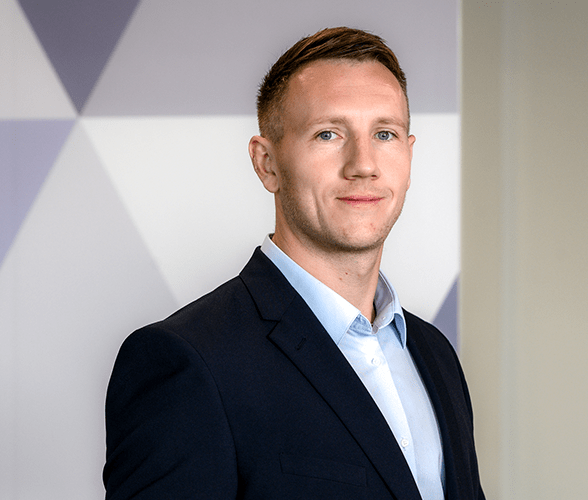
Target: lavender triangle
[(28, 150), (446, 319)]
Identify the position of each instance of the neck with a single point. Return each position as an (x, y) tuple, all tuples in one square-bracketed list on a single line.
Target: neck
[(353, 275)]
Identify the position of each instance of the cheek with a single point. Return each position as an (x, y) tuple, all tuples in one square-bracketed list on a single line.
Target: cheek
[(309, 178), (302, 180)]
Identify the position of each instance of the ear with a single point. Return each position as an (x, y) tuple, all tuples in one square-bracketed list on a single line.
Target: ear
[(262, 155), (411, 139)]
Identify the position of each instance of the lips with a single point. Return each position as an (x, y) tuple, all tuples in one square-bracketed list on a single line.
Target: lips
[(357, 201)]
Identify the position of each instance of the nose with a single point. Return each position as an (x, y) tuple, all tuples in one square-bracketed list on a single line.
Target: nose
[(360, 159)]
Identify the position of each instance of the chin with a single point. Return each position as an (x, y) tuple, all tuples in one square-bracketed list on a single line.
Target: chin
[(357, 243)]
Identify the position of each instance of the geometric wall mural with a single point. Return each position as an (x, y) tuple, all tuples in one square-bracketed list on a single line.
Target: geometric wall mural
[(126, 191)]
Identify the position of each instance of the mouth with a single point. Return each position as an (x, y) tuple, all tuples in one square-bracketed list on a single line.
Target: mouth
[(359, 201)]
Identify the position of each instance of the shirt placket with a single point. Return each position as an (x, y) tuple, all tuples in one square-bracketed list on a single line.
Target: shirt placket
[(370, 359)]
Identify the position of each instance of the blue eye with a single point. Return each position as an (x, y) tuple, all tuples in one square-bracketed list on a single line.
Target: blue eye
[(385, 135), (327, 135)]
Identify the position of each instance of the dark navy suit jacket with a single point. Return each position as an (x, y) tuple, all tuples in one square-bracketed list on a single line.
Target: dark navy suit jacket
[(243, 395)]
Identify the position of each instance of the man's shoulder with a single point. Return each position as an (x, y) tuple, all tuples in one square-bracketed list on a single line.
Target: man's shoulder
[(242, 304), (426, 336), (203, 316), (221, 302), (213, 318)]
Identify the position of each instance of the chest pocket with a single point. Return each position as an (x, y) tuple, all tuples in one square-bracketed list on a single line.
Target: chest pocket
[(320, 468)]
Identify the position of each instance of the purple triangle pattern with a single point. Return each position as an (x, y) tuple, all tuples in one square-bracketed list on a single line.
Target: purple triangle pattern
[(28, 150), (79, 37), (446, 319)]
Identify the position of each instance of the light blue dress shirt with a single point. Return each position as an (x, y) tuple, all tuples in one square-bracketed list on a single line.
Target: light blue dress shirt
[(379, 356)]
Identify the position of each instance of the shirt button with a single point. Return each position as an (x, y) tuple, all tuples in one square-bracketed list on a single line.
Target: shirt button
[(376, 361), (404, 443)]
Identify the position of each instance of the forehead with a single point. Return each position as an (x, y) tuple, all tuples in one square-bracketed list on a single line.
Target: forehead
[(343, 85)]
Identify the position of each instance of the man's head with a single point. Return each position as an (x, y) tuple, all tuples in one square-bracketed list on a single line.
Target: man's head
[(340, 166), (328, 44)]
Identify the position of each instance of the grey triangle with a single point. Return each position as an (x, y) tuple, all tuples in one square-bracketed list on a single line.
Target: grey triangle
[(79, 36)]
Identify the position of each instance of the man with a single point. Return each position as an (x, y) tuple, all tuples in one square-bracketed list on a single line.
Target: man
[(303, 377)]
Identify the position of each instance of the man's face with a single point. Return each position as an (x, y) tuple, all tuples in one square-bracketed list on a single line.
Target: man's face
[(343, 165)]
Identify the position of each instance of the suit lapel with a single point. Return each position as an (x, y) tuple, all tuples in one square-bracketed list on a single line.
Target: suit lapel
[(438, 391), (301, 337)]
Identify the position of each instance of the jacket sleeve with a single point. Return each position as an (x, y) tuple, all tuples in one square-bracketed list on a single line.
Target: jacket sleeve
[(167, 435)]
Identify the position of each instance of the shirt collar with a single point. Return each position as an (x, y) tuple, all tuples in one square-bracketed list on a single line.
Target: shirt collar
[(322, 300)]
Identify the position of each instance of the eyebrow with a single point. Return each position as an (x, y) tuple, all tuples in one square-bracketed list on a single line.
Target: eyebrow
[(338, 120)]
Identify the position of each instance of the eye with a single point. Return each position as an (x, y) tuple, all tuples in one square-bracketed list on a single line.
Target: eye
[(326, 135), (385, 135)]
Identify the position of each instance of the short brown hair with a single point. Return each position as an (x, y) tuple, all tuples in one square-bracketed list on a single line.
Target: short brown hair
[(330, 43)]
